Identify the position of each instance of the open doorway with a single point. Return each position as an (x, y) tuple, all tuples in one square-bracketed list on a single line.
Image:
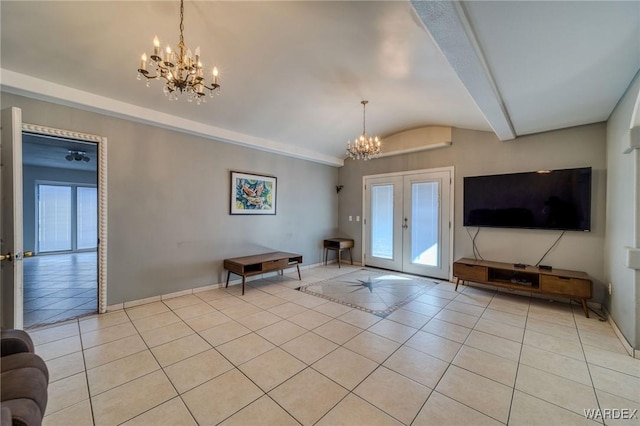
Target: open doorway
[(60, 216)]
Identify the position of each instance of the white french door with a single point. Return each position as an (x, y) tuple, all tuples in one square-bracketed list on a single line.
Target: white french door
[(408, 222)]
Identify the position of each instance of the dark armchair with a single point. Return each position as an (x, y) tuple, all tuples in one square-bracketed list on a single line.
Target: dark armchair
[(24, 381)]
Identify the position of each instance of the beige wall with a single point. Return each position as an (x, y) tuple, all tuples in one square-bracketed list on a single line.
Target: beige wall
[(623, 218), (477, 153), (168, 202)]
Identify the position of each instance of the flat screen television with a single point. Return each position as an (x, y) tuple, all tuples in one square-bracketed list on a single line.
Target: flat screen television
[(546, 199)]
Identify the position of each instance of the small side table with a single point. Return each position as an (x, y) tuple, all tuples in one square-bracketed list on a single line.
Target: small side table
[(338, 244)]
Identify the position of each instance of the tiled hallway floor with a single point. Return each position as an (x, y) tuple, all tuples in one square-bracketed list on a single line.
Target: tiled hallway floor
[(276, 356), (59, 286)]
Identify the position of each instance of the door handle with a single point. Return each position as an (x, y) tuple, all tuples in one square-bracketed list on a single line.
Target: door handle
[(17, 256), (405, 226)]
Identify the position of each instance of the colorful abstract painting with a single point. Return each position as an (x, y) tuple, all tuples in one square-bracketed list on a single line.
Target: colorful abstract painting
[(252, 194)]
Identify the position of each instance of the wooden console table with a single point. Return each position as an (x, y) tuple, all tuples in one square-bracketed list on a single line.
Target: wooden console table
[(260, 263), (338, 244), (556, 282)]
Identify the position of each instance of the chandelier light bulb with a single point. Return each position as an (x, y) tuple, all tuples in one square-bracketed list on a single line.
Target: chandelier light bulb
[(156, 47)]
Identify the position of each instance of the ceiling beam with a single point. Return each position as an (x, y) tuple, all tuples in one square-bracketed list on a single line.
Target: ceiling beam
[(449, 26)]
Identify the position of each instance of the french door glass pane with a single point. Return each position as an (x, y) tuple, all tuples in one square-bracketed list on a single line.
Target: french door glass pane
[(382, 221), (54, 218), (425, 223), (87, 218)]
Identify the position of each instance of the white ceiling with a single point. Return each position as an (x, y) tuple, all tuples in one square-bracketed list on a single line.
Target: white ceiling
[(293, 73), (45, 151)]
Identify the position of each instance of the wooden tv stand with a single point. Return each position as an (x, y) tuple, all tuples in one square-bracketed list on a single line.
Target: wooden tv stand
[(260, 263), (555, 282)]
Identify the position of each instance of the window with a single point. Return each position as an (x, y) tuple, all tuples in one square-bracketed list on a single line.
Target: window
[(67, 217), (87, 218)]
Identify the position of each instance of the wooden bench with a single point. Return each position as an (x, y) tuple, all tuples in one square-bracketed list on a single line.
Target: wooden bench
[(260, 263)]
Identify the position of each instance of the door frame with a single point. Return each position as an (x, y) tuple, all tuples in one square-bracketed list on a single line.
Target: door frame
[(449, 169), (101, 141)]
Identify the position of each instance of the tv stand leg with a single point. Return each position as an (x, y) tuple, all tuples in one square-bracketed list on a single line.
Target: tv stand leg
[(585, 308), (457, 282), (228, 275)]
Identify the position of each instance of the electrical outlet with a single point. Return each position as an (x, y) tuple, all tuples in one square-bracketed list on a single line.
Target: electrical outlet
[(609, 289), (350, 218), (357, 218)]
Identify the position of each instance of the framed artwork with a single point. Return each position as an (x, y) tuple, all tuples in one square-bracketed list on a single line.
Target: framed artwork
[(252, 193)]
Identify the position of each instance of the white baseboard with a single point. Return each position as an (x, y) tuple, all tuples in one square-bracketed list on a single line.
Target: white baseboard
[(144, 301), (115, 307), (635, 353), (206, 288), (176, 294)]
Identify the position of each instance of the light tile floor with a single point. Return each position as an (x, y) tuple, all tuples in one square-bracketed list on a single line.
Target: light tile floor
[(58, 287), (276, 356)]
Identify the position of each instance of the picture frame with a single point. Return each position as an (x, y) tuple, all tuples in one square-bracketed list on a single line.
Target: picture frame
[(253, 194)]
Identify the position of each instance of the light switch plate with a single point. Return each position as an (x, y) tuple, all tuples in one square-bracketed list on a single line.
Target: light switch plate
[(633, 258)]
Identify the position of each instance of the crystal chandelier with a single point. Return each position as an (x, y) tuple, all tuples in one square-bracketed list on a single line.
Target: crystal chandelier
[(364, 147), (181, 70)]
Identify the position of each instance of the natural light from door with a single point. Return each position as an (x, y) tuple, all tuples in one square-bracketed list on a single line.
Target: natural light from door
[(382, 221), (425, 223)]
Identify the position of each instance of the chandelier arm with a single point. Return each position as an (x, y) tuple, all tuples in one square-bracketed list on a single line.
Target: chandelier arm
[(147, 75), (213, 86)]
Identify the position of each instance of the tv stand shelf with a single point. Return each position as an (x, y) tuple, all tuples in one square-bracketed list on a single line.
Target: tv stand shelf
[(556, 282)]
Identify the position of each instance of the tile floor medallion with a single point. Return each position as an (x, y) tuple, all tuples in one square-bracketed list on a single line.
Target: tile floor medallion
[(377, 292)]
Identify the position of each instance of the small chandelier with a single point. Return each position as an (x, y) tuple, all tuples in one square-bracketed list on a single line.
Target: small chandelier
[(181, 70), (364, 147)]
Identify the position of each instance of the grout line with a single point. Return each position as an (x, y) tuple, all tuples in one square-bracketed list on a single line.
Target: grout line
[(515, 378), (86, 372), (593, 385)]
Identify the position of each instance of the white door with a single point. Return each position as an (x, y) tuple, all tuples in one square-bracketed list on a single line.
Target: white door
[(11, 217), (383, 222), (408, 222)]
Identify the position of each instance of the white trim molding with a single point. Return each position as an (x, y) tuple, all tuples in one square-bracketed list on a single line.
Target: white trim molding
[(635, 353), (35, 88), (102, 197)]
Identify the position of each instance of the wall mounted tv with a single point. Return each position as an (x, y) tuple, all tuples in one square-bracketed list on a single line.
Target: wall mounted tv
[(546, 199)]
